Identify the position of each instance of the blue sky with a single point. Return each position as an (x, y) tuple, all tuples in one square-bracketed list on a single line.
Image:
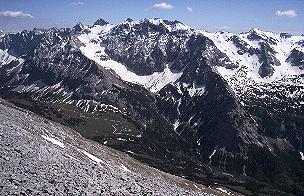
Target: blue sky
[(212, 15)]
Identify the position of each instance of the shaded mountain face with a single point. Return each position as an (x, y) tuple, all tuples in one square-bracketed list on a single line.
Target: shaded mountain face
[(296, 58), (194, 103)]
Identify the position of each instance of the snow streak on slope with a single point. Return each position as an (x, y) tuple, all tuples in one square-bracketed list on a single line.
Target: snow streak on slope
[(54, 141), (94, 50)]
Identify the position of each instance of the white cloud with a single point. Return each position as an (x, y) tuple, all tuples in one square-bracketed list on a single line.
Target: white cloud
[(15, 14), (163, 6), (288, 13), (77, 3), (189, 9)]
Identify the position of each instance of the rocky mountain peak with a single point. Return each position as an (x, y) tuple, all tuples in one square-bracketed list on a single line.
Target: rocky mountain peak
[(129, 20), (78, 28), (100, 22)]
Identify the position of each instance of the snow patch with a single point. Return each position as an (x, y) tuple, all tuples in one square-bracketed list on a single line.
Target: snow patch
[(223, 190), (196, 91), (92, 157), (131, 152), (124, 168), (302, 156), (54, 141), (176, 124), (180, 27), (214, 151)]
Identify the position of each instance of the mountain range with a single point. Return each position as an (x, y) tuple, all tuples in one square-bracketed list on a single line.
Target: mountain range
[(210, 107)]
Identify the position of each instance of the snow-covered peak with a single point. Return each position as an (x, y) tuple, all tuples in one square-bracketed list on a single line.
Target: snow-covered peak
[(180, 27), (171, 26), (260, 32), (256, 34), (100, 30), (155, 21), (256, 30)]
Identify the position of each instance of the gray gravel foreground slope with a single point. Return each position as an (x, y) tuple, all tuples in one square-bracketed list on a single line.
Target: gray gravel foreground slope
[(39, 157)]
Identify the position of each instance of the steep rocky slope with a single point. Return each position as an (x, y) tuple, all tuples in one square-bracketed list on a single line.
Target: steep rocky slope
[(39, 156)]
